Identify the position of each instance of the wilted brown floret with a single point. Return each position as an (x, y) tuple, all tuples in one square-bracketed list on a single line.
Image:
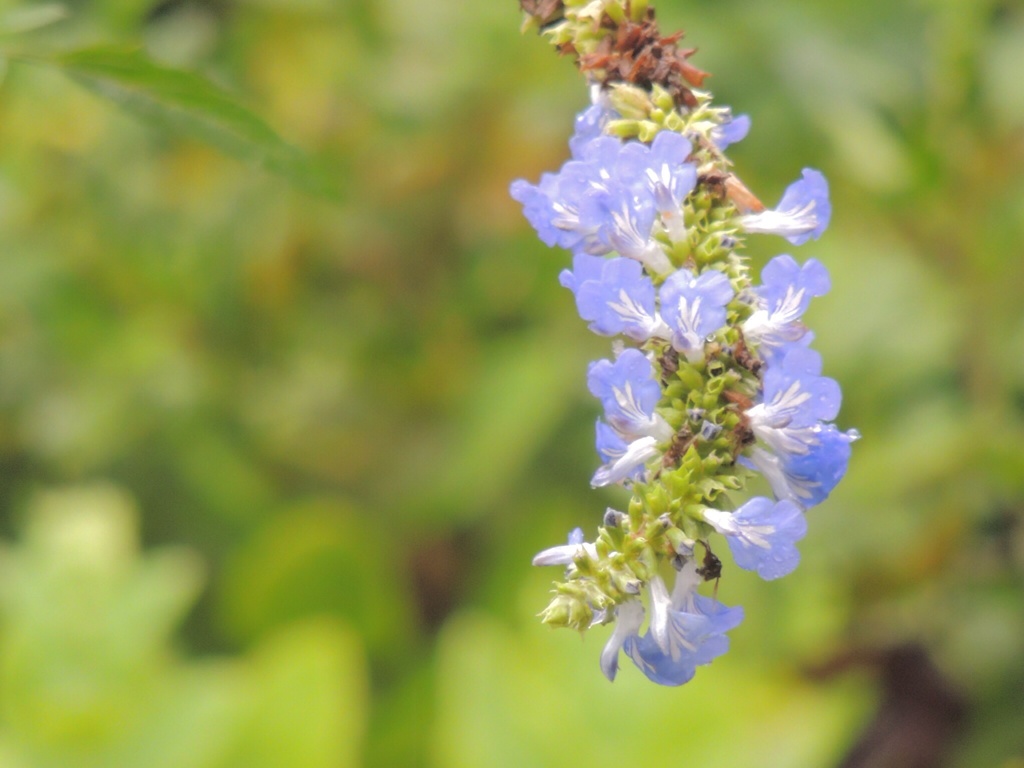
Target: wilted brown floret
[(636, 53), (745, 357), (681, 440), (544, 11)]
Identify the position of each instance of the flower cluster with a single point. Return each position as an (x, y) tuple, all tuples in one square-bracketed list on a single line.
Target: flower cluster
[(713, 378)]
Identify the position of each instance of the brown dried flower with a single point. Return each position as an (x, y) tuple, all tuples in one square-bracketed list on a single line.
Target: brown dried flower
[(637, 53), (543, 11)]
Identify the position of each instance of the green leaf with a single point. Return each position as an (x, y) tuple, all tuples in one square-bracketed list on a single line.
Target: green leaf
[(308, 699), (188, 104), (518, 402), (509, 697)]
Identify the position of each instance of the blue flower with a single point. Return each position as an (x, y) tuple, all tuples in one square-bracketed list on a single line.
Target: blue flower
[(553, 205), (629, 393), (686, 630), (785, 282), (596, 159), (623, 221), (807, 457), (619, 299), (807, 477), (731, 131), (802, 214), (694, 308), (590, 123), (796, 398), (782, 299), (762, 535), (661, 173), (609, 197), (669, 177), (538, 207), (584, 267), (552, 208)]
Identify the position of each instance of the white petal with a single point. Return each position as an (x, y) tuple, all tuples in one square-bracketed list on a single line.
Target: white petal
[(722, 522), (637, 453), (564, 554), (660, 605), (628, 618)]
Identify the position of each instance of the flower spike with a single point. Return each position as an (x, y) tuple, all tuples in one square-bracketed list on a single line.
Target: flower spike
[(713, 379), (802, 214)]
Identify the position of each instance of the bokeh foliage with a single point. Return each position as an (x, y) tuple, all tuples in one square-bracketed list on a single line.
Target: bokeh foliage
[(338, 369)]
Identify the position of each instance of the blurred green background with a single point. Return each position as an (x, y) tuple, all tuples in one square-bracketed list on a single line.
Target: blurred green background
[(274, 456)]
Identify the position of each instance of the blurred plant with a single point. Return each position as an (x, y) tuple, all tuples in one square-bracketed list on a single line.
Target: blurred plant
[(368, 407), (180, 101), (88, 675), (723, 380)]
